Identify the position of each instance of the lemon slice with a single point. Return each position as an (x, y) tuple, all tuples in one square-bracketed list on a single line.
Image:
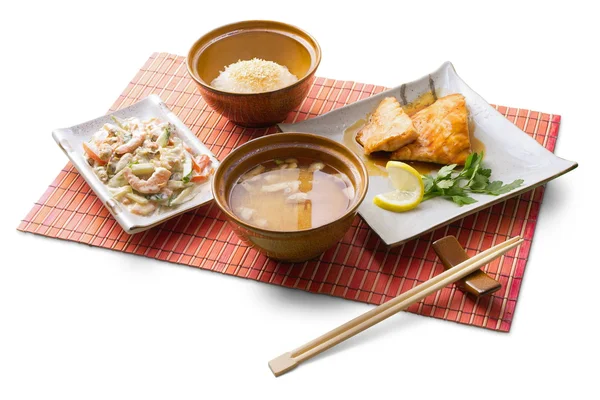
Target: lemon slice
[(408, 187)]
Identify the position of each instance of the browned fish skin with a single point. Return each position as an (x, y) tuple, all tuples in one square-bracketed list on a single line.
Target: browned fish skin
[(443, 133), (389, 128)]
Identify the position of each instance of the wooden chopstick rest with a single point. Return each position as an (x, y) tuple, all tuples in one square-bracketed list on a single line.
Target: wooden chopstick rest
[(451, 253)]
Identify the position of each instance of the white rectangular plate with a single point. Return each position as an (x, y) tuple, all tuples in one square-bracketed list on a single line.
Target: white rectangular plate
[(70, 141), (509, 152)]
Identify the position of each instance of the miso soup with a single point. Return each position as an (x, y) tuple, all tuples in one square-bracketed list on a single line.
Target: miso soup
[(291, 194)]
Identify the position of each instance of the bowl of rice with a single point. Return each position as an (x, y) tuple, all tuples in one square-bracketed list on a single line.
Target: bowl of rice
[(254, 72)]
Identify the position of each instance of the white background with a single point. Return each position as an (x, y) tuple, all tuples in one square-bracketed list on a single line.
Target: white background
[(78, 322)]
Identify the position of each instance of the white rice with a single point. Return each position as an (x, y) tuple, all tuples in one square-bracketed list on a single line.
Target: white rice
[(253, 76)]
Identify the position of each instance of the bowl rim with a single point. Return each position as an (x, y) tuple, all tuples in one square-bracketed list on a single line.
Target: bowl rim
[(349, 211), (208, 87)]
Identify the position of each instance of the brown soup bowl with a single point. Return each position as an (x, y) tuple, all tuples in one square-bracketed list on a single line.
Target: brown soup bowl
[(284, 44), (299, 245)]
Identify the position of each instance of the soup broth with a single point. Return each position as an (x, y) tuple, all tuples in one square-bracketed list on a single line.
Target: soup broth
[(291, 194)]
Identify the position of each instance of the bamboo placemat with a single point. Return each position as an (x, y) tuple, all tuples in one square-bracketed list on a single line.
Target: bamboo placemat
[(359, 268)]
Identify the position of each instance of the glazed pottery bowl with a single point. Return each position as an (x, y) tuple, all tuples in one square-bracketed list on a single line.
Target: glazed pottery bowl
[(284, 44), (297, 245)]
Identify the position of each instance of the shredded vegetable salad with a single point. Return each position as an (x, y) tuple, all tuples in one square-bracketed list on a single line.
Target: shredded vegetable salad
[(145, 165)]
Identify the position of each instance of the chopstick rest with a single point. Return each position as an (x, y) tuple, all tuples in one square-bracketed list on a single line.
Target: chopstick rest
[(451, 253)]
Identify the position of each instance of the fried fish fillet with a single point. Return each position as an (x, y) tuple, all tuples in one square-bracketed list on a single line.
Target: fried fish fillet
[(388, 128), (443, 133)]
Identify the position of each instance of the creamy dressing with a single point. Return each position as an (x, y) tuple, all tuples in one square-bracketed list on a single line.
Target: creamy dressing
[(145, 165)]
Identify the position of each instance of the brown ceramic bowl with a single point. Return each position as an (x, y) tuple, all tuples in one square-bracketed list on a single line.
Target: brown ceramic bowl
[(297, 245), (270, 40)]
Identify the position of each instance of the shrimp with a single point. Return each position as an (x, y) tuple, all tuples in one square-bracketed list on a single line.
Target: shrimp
[(143, 209), (152, 185), (136, 141)]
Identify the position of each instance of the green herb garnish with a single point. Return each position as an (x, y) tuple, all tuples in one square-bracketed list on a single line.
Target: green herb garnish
[(450, 185)]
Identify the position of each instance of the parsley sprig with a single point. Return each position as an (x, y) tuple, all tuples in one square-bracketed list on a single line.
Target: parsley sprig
[(450, 184)]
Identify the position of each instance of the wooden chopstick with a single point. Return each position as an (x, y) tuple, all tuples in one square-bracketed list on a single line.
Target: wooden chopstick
[(288, 361)]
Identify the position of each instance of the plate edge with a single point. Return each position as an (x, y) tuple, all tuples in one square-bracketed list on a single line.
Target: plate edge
[(445, 65)]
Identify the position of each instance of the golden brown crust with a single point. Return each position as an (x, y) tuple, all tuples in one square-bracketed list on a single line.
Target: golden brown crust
[(443, 133), (388, 129)]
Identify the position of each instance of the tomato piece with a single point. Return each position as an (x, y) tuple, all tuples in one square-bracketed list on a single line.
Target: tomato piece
[(199, 178), (93, 155), (202, 177), (201, 163)]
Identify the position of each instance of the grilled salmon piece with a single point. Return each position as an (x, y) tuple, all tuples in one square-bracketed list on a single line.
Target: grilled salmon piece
[(443, 133), (388, 129)]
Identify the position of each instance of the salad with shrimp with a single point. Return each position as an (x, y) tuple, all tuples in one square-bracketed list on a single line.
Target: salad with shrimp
[(145, 165)]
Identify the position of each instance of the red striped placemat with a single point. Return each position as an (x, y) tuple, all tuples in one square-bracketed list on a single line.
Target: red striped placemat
[(359, 268)]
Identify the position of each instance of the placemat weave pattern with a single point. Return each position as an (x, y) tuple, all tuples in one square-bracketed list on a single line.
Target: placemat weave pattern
[(359, 268)]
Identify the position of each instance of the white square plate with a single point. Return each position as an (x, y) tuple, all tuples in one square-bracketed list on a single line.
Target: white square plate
[(70, 141), (509, 152)]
